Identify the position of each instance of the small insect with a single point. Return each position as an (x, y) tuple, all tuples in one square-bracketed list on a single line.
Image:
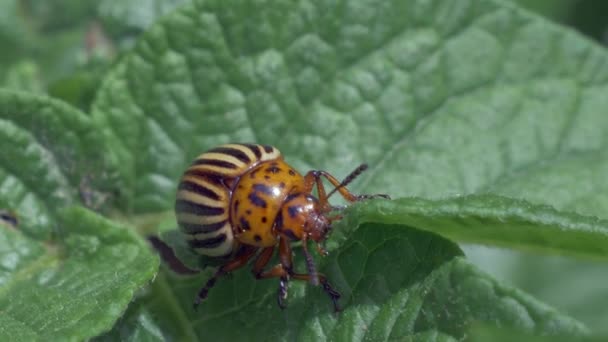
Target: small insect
[(9, 218), (240, 201)]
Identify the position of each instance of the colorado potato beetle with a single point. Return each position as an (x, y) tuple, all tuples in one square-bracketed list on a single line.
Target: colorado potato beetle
[(240, 201)]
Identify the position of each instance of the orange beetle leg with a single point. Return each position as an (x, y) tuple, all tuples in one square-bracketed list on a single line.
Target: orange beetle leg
[(314, 176), (331, 292), (239, 261), (284, 271)]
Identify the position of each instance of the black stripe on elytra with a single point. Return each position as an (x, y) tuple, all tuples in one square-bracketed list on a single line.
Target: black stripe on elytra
[(244, 224), (238, 154), (256, 200), (268, 148), (183, 206), (293, 210), (198, 189), (262, 188), (215, 162), (193, 228), (207, 175), (255, 149), (208, 243)]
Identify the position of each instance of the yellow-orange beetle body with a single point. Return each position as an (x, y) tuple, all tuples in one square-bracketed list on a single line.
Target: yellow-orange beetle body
[(237, 199)]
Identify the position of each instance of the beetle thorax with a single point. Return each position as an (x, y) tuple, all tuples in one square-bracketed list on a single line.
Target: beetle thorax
[(301, 215), (256, 201)]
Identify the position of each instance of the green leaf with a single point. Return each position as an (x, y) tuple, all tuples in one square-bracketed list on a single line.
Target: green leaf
[(482, 333), (65, 274), (49, 159), (549, 278), (441, 99), (411, 95), (137, 324), (395, 283), (135, 14), (24, 76), (494, 220), (154, 316), (72, 288), (15, 36)]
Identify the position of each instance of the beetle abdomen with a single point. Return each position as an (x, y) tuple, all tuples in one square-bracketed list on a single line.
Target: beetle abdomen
[(204, 193)]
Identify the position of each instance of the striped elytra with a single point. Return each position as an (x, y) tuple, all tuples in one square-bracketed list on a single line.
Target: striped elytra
[(243, 201), (204, 193)]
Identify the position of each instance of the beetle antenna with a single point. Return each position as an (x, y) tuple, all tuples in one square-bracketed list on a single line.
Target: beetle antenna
[(356, 172), (310, 264)]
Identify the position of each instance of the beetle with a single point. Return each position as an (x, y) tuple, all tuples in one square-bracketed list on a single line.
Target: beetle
[(240, 201)]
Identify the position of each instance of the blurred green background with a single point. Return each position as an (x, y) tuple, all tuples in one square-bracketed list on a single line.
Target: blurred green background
[(63, 47)]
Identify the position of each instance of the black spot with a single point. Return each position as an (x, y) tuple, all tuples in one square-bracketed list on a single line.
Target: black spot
[(262, 188), (268, 148), (282, 185), (264, 219), (244, 224), (266, 177), (253, 173), (272, 169), (293, 211), (257, 238), (236, 206), (292, 173), (290, 234), (257, 200), (248, 212)]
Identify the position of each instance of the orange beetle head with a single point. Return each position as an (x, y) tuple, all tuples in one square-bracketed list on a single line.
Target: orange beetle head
[(301, 215)]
